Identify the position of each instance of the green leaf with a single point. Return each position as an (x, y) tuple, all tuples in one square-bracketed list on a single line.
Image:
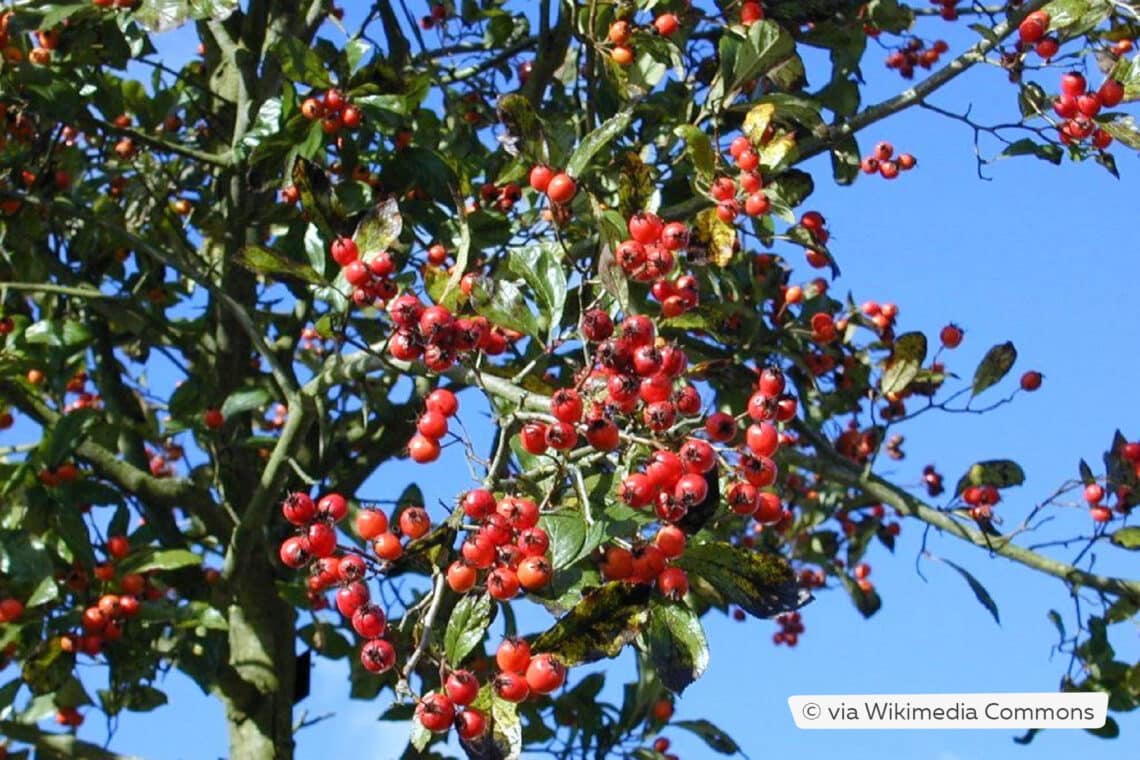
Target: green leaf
[(995, 365), (525, 136), (890, 15), (46, 591), (300, 62), (1110, 729), (845, 161), (57, 333), (444, 289), (466, 627), (1027, 147), (698, 147), (66, 436), (73, 530), (379, 229), (245, 400), (1032, 100), (1127, 72), (765, 44), (716, 739), (56, 745), (540, 266), (420, 737), (266, 261), (316, 193), (979, 590), (146, 559), (143, 698), (1123, 128), (599, 626), (999, 473), (787, 191), (867, 602), (1073, 18), (506, 738), (1127, 538), (675, 642), (355, 50), (267, 124), (47, 667), (502, 302), (593, 143), (907, 355), (762, 584), (567, 533)]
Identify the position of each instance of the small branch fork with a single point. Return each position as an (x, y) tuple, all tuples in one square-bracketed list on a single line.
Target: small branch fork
[(830, 464)]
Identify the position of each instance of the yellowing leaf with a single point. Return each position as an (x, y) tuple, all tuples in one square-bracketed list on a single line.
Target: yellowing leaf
[(758, 120), (717, 237)]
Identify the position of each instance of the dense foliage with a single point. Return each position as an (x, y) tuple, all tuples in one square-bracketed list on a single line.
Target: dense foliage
[(237, 282)]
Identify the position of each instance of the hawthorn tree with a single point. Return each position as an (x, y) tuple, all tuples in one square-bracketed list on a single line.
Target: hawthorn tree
[(236, 283)]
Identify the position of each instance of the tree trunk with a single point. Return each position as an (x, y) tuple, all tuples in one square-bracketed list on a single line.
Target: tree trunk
[(261, 652)]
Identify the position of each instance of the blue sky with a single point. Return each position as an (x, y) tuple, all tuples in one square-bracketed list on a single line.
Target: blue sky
[(1041, 255)]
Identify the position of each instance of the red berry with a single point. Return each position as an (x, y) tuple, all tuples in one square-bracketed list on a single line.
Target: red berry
[(462, 687), (513, 655), (344, 251), (432, 425), (423, 449), (370, 523), (540, 177), (951, 335), (369, 621), (646, 227), (1031, 380), (377, 655), (673, 583), (511, 686), (561, 189), (436, 712), (414, 522), (470, 724), (1111, 93), (299, 509), (333, 507), (544, 674), (1094, 493), (1073, 84)]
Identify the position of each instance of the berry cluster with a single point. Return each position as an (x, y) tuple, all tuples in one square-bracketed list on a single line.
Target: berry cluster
[(620, 35), (750, 196), (981, 501), (440, 406), (1031, 33), (791, 626), (649, 255), (1078, 106), (437, 16), (648, 562), (882, 161), (502, 197), (333, 110), (915, 53), (949, 9), (522, 675), (932, 479), (371, 281), (559, 187), (508, 544), (436, 337)]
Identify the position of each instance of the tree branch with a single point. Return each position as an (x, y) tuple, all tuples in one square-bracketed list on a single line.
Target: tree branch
[(831, 465), (907, 98)]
